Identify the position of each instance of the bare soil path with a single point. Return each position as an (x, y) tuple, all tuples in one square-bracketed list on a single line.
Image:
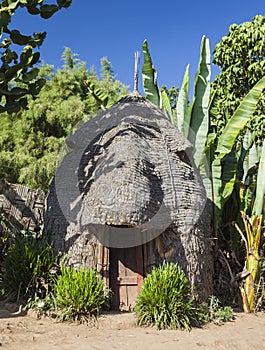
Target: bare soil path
[(119, 331)]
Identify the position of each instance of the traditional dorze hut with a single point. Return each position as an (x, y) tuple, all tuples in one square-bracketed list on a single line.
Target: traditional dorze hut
[(128, 197)]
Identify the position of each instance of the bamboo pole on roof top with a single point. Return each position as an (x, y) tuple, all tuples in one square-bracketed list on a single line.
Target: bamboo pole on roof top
[(136, 70)]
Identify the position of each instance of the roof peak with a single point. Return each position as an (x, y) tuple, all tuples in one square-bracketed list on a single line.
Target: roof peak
[(134, 96)]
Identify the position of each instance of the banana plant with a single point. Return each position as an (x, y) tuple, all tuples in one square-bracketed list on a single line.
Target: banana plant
[(225, 160), (192, 120), (216, 160), (198, 121), (181, 118), (149, 77), (253, 237)]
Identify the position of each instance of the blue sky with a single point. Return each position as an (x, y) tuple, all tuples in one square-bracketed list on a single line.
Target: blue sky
[(116, 29)]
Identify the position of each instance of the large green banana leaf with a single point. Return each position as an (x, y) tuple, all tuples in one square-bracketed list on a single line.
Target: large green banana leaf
[(182, 117), (216, 198), (166, 105), (151, 90), (260, 187), (223, 186), (239, 119), (199, 122), (248, 156), (229, 166)]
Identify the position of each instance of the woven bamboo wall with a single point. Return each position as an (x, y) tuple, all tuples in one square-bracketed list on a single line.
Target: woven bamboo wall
[(21, 208)]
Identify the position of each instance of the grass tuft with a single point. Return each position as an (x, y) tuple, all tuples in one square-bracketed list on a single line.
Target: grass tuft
[(165, 299), (79, 295)]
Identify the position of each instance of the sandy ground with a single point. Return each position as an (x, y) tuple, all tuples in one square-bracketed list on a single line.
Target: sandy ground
[(119, 331)]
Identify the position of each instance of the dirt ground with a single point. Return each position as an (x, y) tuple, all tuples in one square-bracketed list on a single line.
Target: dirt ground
[(119, 331)]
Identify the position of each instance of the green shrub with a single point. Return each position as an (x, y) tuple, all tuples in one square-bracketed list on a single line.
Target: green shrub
[(225, 314), (165, 301), (26, 262), (79, 294), (219, 313)]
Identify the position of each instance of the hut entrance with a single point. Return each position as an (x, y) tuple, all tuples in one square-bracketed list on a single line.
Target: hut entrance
[(126, 276)]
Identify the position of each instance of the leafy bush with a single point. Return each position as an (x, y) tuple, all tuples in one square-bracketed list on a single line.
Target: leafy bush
[(225, 314), (219, 313), (165, 301), (79, 294), (26, 262)]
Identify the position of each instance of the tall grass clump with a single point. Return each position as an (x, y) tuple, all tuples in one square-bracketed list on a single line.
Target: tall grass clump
[(165, 299), (79, 294), (26, 260)]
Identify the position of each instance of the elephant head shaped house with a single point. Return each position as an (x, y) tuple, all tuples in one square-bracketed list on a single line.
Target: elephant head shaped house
[(127, 197)]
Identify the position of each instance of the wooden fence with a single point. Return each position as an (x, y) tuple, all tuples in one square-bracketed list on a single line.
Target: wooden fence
[(21, 208)]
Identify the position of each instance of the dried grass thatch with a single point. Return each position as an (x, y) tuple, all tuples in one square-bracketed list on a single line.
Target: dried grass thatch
[(135, 170)]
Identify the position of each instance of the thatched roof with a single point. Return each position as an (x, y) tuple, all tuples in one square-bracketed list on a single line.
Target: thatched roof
[(129, 166)]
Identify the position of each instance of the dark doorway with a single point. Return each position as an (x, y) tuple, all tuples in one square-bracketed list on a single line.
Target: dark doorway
[(126, 276)]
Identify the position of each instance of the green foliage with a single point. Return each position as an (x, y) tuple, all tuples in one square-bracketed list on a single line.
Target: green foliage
[(239, 118), (219, 313), (225, 314), (258, 207), (219, 125), (70, 59), (172, 94), (226, 160), (149, 77), (182, 115), (4, 244), (169, 99), (253, 237), (216, 157), (107, 72), (79, 294), (241, 58), (191, 119), (31, 140), (236, 185), (41, 298), (17, 72), (26, 260), (42, 301), (215, 154), (199, 112), (165, 299)]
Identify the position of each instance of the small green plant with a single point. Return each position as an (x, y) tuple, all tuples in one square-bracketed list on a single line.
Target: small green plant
[(26, 260), (79, 295), (42, 306), (218, 313), (42, 299), (165, 300), (225, 314)]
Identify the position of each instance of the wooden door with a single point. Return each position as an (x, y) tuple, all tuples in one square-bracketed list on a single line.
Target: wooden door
[(126, 276)]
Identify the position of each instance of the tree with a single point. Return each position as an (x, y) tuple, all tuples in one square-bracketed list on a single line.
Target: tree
[(108, 83), (241, 57), (18, 72), (31, 140), (107, 73)]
